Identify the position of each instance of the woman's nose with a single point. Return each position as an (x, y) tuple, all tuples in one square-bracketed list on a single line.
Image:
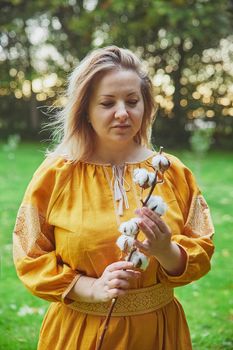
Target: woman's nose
[(121, 113)]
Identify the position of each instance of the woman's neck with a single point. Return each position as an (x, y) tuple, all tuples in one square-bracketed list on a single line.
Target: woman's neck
[(120, 154)]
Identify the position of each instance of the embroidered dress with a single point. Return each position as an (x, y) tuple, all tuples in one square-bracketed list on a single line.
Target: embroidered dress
[(67, 226)]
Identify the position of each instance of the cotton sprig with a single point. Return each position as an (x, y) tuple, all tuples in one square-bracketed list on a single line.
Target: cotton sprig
[(157, 204), (130, 229), (125, 243), (160, 162), (143, 178), (139, 260)]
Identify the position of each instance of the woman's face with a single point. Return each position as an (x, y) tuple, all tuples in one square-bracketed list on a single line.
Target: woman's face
[(116, 107)]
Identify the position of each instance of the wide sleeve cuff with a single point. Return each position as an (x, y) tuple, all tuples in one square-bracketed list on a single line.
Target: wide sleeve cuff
[(64, 298), (176, 278), (198, 254)]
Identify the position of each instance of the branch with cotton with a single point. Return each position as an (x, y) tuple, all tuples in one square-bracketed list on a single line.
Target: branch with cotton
[(146, 179), (160, 162), (157, 204), (130, 229), (139, 259), (143, 178), (125, 243)]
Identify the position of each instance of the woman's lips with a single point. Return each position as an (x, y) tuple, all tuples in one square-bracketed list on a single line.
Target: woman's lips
[(121, 126)]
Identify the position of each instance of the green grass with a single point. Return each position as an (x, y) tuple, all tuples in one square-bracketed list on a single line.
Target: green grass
[(208, 302), (16, 332)]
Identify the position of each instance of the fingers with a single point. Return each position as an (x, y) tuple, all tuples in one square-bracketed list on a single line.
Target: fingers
[(149, 228), (142, 246), (115, 280), (153, 220), (114, 293), (127, 275), (156, 219), (121, 279), (119, 265), (118, 284), (118, 277)]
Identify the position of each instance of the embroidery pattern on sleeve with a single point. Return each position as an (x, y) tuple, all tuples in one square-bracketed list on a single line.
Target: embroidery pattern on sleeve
[(29, 233), (199, 222)]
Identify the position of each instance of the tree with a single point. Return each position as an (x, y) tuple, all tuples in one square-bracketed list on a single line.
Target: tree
[(173, 37), (65, 29)]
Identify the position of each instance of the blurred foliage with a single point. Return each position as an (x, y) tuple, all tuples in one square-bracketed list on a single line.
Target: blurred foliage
[(201, 140), (187, 47), (201, 136)]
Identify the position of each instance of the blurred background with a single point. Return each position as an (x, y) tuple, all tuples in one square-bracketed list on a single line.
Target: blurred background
[(187, 47)]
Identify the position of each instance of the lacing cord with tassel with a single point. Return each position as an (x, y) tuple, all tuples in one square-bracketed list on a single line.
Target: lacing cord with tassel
[(119, 186)]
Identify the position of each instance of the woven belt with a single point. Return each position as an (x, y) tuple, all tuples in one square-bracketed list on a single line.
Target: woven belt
[(135, 302)]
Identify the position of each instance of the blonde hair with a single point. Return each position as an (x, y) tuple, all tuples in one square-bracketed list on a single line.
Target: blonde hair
[(76, 134)]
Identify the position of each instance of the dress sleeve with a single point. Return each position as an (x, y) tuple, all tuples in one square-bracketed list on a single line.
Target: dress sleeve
[(38, 265), (195, 238)]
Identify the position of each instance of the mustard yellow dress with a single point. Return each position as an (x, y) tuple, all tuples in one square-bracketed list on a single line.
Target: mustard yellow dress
[(67, 226)]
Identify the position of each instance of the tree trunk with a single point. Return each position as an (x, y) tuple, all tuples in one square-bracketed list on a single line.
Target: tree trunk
[(179, 119), (33, 113)]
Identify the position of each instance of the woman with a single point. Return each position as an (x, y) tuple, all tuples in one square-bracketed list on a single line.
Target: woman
[(66, 231)]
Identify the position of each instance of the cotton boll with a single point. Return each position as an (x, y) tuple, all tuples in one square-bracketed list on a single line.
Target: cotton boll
[(144, 261), (157, 204), (151, 177), (134, 226), (129, 228), (125, 243), (139, 260), (140, 176), (143, 178), (160, 163)]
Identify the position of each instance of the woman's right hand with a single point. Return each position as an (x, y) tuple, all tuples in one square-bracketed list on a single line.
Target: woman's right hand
[(114, 282)]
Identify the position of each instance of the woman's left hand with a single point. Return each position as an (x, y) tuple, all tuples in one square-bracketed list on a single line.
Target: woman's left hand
[(157, 232)]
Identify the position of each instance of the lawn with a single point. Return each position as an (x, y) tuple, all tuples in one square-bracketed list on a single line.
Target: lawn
[(208, 303)]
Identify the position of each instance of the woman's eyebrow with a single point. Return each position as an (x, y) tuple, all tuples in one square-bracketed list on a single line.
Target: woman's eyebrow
[(133, 93), (129, 94)]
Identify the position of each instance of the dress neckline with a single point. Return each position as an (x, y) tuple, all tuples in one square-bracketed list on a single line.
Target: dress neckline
[(120, 165)]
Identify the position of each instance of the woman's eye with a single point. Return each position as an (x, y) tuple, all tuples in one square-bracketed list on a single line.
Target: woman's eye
[(107, 104), (132, 102)]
